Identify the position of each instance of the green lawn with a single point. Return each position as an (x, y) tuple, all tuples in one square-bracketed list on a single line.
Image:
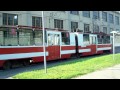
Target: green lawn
[(72, 68)]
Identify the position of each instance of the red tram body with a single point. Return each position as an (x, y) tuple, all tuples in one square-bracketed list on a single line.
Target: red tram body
[(25, 44)]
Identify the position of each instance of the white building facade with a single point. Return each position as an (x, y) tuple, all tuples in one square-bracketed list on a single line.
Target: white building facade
[(86, 21)]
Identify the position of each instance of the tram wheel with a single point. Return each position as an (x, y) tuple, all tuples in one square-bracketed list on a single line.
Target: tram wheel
[(7, 65), (26, 63)]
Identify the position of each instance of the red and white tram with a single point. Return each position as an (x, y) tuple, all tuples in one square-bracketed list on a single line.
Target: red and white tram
[(24, 45)]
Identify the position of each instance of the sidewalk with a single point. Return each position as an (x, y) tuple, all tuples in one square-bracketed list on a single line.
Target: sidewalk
[(108, 73)]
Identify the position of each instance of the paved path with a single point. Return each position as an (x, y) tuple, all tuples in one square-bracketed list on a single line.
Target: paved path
[(108, 73)]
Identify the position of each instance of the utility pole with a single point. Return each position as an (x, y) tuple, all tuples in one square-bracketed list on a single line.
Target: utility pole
[(44, 46), (113, 46)]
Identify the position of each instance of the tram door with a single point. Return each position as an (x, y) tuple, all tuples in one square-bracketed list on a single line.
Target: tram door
[(53, 41), (93, 42)]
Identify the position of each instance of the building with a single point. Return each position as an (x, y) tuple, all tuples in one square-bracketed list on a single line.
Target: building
[(86, 21)]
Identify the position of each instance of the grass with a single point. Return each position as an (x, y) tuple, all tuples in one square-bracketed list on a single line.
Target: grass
[(72, 68)]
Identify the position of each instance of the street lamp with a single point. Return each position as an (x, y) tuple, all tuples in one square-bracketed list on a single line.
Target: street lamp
[(114, 32)]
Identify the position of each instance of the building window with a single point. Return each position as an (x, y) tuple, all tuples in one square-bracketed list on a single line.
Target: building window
[(111, 29), (96, 15), (105, 30), (111, 18), (10, 19), (96, 29), (86, 28), (116, 20), (58, 24), (104, 16), (74, 25), (74, 12), (37, 21), (86, 14)]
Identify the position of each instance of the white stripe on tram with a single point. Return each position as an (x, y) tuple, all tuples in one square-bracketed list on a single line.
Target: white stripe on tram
[(67, 51), (84, 50), (105, 48), (21, 55)]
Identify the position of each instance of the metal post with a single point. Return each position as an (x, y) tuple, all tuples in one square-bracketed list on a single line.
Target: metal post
[(113, 45), (114, 32), (43, 27)]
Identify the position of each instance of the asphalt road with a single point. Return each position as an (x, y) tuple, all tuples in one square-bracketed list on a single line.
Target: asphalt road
[(4, 74), (9, 73)]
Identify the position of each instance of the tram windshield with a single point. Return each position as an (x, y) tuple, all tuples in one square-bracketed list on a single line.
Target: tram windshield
[(21, 37)]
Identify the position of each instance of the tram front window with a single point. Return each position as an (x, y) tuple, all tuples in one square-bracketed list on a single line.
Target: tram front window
[(25, 37), (38, 37), (1, 38), (9, 37)]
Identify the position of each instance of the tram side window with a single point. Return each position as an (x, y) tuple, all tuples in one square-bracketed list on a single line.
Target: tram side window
[(99, 39), (65, 38), (106, 40), (1, 38), (25, 37), (10, 37), (38, 37), (86, 39)]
